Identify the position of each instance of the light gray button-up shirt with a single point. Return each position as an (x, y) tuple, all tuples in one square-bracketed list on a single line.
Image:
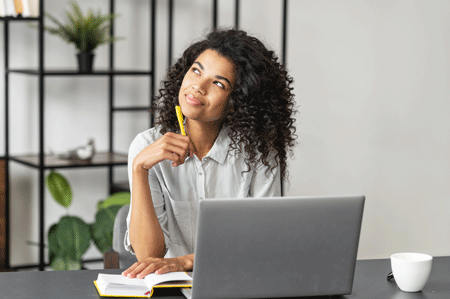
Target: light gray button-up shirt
[(176, 190)]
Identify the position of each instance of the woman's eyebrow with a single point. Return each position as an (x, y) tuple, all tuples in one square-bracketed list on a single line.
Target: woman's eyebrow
[(200, 65), (217, 76)]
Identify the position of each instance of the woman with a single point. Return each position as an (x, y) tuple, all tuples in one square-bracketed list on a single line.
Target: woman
[(237, 102)]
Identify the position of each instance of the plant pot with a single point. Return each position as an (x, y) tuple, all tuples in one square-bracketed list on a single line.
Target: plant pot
[(85, 62)]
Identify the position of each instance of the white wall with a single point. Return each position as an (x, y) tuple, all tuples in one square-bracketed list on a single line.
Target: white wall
[(371, 82)]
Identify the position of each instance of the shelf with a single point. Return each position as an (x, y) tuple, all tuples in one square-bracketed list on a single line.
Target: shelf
[(19, 19), (125, 109), (53, 161), (121, 187), (109, 159), (63, 72)]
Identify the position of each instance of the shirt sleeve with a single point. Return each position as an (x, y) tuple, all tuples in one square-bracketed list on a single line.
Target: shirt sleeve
[(138, 144), (266, 182)]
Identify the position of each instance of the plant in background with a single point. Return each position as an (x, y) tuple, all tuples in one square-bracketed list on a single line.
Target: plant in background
[(70, 238), (85, 31), (103, 227)]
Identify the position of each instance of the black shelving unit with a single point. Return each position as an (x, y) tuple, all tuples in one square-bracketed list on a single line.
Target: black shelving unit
[(109, 159), (42, 162)]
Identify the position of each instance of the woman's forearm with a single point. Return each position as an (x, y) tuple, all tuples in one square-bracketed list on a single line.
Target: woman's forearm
[(146, 235)]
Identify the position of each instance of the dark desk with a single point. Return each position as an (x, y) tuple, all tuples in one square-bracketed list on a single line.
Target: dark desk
[(370, 282)]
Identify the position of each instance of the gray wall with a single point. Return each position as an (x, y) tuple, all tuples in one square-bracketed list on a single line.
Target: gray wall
[(371, 84)]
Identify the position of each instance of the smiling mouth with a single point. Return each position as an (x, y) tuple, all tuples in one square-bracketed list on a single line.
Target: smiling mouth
[(193, 100)]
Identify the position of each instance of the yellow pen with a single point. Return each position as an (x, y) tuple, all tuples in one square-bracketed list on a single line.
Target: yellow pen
[(180, 119)]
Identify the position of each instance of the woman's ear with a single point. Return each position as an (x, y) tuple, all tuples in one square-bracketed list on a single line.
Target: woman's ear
[(230, 104)]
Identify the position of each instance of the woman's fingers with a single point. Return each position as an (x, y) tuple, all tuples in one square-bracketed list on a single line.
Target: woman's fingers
[(180, 146), (173, 153), (171, 146), (131, 268), (156, 265), (148, 270), (136, 270)]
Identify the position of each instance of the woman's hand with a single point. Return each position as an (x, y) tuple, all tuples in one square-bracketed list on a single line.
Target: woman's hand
[(160, 266), (170, 146)]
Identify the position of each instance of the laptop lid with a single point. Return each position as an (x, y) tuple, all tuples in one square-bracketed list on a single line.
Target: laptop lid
[(276, 247)]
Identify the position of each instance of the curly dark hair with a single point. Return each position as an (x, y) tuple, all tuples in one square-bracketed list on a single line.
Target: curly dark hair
[(261, 104)]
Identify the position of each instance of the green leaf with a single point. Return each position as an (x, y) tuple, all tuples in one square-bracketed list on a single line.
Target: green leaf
[(64, 263), (53, 247), (54, 20), (59, 188), (102, 229), (76, 9), (99, 205), (120, 198), (53, 239), (73, 237), (68, 240)]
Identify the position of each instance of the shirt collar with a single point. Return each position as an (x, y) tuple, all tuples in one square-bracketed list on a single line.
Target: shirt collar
[(220, 148)]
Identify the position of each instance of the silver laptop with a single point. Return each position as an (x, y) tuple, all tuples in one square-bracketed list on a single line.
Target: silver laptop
[(276, 247)]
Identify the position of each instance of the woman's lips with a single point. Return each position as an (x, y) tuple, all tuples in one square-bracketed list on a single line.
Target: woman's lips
[(192, 100)]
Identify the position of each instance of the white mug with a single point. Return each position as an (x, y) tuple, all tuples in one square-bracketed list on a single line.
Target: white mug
[(411, 270)]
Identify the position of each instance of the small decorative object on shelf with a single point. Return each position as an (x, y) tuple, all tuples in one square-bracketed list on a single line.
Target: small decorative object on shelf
[(19, 8), (87, 32), (84, 153), (70, 238), (18, 5)]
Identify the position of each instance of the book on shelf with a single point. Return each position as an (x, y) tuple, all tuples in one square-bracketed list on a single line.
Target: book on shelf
[(2, 8), (116, 285), (18, 6), (10, 10), (33, 8), (26, 9)]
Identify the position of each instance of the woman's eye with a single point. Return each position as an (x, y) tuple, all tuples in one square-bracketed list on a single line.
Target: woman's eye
[(196, 71), (220, 84)]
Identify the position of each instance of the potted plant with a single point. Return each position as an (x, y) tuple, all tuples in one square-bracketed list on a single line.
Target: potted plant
[(85, 31), (70, 238)]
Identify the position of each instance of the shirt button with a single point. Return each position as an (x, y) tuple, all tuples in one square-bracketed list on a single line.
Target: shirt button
[(200, 173)]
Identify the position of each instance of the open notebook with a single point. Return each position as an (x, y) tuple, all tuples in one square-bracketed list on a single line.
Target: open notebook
[(116, 285)]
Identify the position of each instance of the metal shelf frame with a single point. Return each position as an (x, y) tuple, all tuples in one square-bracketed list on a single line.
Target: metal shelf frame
[(43, 162)]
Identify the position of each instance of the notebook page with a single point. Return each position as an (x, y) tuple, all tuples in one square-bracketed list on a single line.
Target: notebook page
[(154, 279), (121, 280)]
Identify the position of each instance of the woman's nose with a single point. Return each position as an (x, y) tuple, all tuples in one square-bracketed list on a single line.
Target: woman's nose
[(201, 86)]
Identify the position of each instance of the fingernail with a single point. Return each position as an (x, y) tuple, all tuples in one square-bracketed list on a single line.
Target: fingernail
[(140, 276)]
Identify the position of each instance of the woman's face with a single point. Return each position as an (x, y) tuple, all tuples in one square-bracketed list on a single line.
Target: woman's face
[(206, 86)]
